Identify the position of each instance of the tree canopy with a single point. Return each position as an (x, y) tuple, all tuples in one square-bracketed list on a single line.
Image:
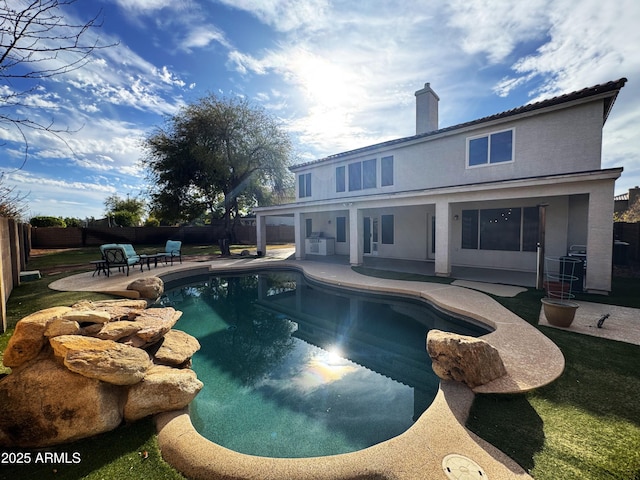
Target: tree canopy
[(631, 215), (125, 212), (216, 157), (12, 203)]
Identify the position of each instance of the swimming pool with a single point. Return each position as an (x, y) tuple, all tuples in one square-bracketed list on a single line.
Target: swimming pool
[(297, 369)]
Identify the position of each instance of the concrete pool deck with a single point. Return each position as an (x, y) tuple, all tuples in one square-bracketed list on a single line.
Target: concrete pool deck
[(530, 358)]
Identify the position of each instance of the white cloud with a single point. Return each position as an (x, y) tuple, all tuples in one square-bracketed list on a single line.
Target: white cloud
[(244, 63), (352, 74), (589, 43), (284, 15), (508, 84), (89, 108), (120, 76), (200, 36), (495, 28), (168, 77), (57, 197), (148, 6)]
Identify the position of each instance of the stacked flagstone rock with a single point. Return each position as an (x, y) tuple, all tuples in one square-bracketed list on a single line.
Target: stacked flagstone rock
[(82, 370)]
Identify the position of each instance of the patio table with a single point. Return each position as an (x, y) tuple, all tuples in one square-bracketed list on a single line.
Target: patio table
[(148, 258), (100, 266)]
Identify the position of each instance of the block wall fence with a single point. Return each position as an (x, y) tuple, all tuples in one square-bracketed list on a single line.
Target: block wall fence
[(630, 233), (75, 237), (15, 241)]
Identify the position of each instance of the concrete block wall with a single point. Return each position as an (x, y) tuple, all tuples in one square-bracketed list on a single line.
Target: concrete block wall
[(75, 237), (12, 249)]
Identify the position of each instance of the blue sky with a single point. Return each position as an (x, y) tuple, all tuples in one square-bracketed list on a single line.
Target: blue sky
[(339, 74)]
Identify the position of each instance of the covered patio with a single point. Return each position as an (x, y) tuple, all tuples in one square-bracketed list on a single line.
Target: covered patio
[(427, 268)]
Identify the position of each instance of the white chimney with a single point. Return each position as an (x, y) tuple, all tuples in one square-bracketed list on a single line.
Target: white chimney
[(426, 110)]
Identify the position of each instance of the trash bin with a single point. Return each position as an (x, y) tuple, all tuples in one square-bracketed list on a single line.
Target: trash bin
[(620, 253), (572, 268)]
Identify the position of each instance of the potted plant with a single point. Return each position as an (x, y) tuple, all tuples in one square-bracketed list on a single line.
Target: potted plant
[(558, 307)]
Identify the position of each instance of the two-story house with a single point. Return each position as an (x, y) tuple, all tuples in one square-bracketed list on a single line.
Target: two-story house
[(478, 194)]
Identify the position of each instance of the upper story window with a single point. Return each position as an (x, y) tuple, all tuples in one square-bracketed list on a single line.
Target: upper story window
[(489, 149), (386, 171), (304, 185), (369, 178), (355, 176), (362, 175), (340, 179)]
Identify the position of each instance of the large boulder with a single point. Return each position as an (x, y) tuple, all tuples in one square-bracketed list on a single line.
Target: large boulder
[(465, 359), (28, 338), (163, 389), (148, 287), (45, 404), (104, 360), (175, 349)]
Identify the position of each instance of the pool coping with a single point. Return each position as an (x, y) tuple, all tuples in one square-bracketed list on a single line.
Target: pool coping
[(530, 358)]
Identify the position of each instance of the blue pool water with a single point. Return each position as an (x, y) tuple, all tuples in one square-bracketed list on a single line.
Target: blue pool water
[(294, 369)]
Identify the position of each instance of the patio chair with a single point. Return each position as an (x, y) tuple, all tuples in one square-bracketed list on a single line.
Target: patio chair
[(173, 249), (131, 254), (121, 256)]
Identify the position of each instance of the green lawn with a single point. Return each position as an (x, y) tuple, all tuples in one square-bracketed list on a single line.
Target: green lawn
[(584, 426)]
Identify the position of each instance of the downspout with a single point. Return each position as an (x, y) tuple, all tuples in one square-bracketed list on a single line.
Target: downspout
[(542, 225)]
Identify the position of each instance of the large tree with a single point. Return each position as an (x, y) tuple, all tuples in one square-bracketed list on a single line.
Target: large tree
[(215, 157), (37, 42)]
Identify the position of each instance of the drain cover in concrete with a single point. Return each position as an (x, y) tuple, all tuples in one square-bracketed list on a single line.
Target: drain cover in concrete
[(457, 467)]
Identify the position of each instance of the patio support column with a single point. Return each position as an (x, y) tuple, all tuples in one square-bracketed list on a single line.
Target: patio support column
[(600, 239), (261, 234), (298, 229), (355, 235), (443, 219)]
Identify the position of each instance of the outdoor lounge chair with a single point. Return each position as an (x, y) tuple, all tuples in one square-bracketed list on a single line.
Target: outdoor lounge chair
[(173, 249), (118, 255)]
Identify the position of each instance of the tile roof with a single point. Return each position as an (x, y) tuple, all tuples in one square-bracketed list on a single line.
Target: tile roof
[(622, 196), (613, 86)]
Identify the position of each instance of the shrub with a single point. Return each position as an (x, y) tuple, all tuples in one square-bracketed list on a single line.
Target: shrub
[(124, 218), (47, 222), (152, 222), (74, 222)]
